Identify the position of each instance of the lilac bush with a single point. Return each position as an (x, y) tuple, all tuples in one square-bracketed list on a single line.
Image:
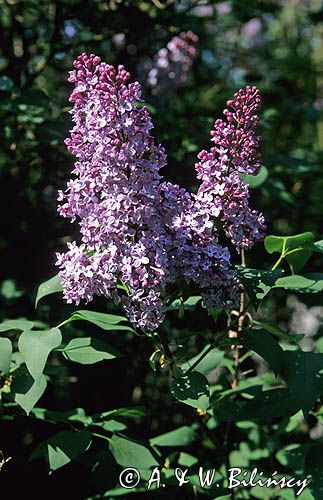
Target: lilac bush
[(140, 235)]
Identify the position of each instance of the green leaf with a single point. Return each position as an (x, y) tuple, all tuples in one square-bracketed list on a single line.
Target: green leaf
[(35, 346), (182, 436), (75, 415), (271, 404), (293, 456), (130, 453), (263, 344), (303, 372), (258, 283), (265, 405), (131, 412), (87, 351), (6, 83), (102, 320), (279, 332), (318, 246), (192, 389), (154, 359), (9, 291), (28, 391), (5, 354), (190, 303), (112, 425), (255, 181), (16, 324), (307, 283), (187, 460), (208, 363), (276, 243), (298, 243), (53, 285), (62, 448)]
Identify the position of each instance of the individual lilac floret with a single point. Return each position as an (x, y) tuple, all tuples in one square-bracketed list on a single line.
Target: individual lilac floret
[(171, 65), (136, 232), (222, 191)]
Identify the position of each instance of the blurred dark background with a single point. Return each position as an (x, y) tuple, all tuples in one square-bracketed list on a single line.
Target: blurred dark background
[(277, 45)]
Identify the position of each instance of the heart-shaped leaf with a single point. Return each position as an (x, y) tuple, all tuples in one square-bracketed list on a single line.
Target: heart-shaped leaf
[(62, 448), (35, 346), (295, 247), (28, 391)]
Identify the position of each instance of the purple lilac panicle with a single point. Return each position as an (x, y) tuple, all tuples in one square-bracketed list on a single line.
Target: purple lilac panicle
[(135, 230), (115, 195), (236, 151)]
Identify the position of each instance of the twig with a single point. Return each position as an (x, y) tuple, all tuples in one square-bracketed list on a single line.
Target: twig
[(234, 334)]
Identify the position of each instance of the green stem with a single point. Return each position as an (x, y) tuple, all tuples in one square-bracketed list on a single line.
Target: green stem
[(101, 436), (245, 356), (64, 323), (277, 263), (280, 257), (242, 307)]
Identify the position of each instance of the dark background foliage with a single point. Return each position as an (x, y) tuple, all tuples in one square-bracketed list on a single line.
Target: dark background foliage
[(39, 40)]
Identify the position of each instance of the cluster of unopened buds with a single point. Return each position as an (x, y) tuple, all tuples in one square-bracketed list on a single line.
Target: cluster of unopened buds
[(140, 236)]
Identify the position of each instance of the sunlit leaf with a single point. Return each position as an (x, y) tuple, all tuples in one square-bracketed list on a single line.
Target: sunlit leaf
[(62, 448), (5, 354), (87, 351), (130, 453), (53, 285), (192, 389), (35, 347)]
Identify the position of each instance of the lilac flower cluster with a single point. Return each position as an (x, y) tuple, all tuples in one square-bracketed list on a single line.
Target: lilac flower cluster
[(235, 151), (193, 248), (115, 195), (140, 235), (171, 64)]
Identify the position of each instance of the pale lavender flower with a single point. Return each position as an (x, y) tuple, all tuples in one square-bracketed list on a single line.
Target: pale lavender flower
[(203, 10), (223, 8), (170, 66), (252, 33)]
